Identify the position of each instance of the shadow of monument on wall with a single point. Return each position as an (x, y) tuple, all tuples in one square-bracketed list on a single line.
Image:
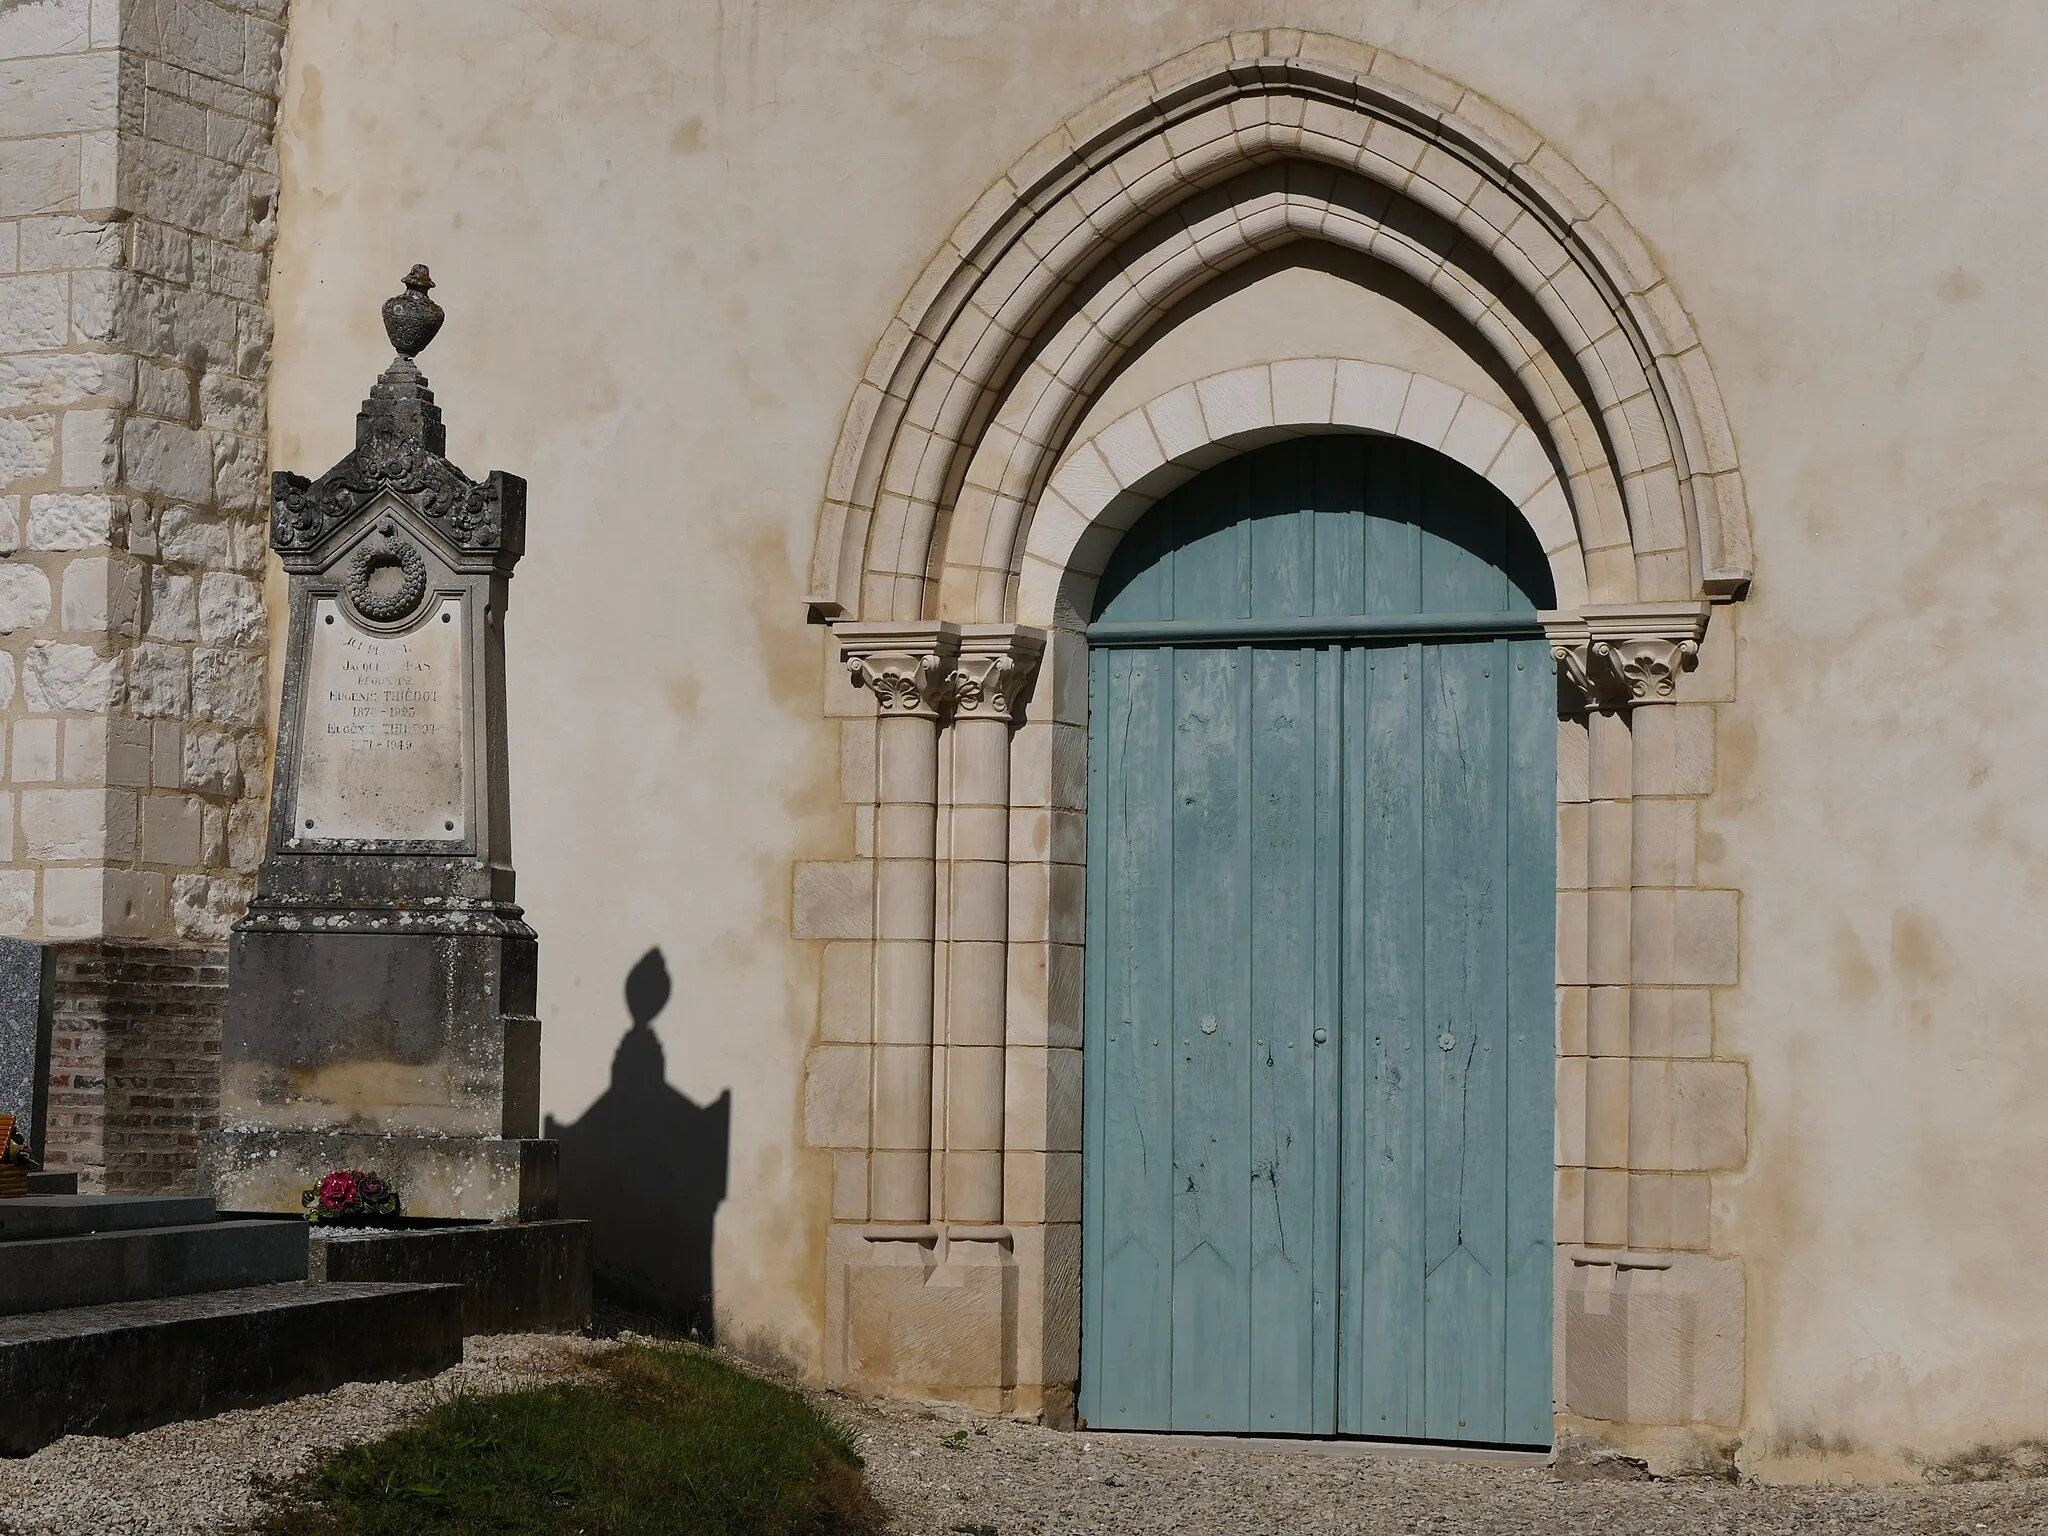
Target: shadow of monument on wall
[(646, 1167)]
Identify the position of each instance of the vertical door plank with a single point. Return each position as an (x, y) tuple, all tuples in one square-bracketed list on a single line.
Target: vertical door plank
[(1211, 1119), (1531, 1028), (1211, 1145), (1327, 1034), (1130, 1170), (1282, 952), (1361, 1391), (1383, 1173), (1392, 535), (1280, 492), (1463, 963), (1212, 545), (1461, 538), (1339, 524)]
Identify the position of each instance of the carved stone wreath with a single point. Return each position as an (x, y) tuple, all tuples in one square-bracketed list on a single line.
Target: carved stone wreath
[(396, 604)]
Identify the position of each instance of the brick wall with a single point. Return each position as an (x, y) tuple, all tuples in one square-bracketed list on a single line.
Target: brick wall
[(135, 1064)]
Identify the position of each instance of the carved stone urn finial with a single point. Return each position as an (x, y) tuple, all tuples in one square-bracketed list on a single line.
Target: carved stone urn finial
[(412, 319)]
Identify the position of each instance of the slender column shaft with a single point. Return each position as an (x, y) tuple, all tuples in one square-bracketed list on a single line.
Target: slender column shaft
[(1619, 665), (1609, 841), (908, 670), (979, 920), (994, 667), (905, 822)]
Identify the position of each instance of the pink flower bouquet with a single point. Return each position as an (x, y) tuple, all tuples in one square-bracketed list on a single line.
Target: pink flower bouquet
[(349, 1197)]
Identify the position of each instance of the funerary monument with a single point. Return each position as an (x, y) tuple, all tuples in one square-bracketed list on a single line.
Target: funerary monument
[(381, 1010)]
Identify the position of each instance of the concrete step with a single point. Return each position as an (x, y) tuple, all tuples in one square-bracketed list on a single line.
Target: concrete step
[(65, 1215), (112, 1370), (91, 1269), (516, 1277)]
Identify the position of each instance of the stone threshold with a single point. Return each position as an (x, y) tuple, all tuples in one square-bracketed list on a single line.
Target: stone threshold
[(1306, 1445)]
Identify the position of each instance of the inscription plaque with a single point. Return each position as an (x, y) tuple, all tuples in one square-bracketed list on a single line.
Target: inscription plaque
[(383, 754)]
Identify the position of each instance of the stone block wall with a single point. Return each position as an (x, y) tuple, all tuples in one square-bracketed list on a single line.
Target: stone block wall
[(137, 198), (1653, 1107)]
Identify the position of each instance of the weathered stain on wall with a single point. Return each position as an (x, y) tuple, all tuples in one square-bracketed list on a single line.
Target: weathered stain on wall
[(670, 236)]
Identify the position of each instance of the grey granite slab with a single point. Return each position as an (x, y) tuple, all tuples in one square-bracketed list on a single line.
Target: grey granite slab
[(26, 973), (85, 1269), (63, 1215), (111, 1370)]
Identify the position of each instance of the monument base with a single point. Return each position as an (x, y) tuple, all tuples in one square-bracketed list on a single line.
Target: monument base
[(458, 1178)]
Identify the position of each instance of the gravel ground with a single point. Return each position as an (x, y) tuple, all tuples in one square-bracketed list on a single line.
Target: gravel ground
[(946, 1473), (1017, 1480), (196, 1479)]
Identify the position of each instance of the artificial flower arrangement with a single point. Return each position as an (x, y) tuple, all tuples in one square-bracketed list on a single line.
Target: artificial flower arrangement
[(17, 1160), (349, 1197)]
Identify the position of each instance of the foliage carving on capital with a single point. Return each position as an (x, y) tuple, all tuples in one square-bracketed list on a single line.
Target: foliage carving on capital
[(985, 686), (993, 673), (1612, 659), (905, 682), (1577, 693), (1644, 671)]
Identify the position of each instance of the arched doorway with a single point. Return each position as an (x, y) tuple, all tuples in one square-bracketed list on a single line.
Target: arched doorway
[(975, 497), (1320, 1065)]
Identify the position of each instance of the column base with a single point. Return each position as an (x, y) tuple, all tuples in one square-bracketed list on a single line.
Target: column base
[(1649, 1341), (919, 1312), (459, 1178)]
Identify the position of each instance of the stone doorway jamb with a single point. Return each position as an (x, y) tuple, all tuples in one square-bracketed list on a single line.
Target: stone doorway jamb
[(922, 1294)]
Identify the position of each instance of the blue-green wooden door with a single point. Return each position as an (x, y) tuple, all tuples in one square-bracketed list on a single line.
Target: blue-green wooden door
[(1321, 877)]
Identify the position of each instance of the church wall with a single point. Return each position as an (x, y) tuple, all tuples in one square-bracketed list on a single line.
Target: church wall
[(669, 236)]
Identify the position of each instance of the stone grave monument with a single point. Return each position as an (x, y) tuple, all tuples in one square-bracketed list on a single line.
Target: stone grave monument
[(27, 987), (381, 987)]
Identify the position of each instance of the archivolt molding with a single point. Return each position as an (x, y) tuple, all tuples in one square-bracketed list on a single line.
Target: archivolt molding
[(1105, 484), (1237, 148)]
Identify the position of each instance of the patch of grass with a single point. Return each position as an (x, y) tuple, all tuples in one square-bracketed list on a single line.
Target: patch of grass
[(670, 1439)]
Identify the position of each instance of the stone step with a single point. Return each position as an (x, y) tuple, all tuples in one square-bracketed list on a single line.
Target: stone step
[(91, 1269), (112, 1370), (516, 1277), (64, 1215)]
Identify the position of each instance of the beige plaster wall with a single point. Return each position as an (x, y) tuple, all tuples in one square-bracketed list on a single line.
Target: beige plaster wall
[(669, 234), (1299, 303)]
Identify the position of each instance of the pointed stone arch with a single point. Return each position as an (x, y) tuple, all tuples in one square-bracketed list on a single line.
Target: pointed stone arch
[(962, 532), (1237, 148)]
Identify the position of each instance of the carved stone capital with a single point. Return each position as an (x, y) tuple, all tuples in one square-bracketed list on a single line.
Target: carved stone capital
[(906, 683), (1616, 656), (994, 671), (909, 668), (1643, 671)]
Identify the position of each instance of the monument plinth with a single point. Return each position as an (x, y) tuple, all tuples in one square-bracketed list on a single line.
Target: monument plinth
[(381, 987)]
